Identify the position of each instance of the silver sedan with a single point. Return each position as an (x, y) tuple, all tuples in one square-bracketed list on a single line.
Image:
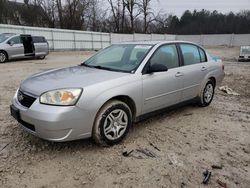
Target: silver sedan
[(119, 85)]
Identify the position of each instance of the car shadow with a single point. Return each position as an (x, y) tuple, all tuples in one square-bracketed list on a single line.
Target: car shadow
[(26, 60), (88, 144)]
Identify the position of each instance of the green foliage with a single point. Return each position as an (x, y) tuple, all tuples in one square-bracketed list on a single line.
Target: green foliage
[(206, 22)]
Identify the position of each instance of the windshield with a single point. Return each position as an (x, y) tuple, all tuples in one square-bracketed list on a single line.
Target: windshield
[(245, 50), (122, 57), (4, 36)]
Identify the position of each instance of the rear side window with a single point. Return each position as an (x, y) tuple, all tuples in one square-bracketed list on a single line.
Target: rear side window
[(166, 55), (203, 55), (190, 54), (38, 39)]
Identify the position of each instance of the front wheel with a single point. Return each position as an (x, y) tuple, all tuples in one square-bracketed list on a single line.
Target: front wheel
[(112, 123), (3, 57), (207, 95)]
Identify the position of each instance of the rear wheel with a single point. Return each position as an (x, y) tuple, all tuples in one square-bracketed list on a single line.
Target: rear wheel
[(112, 123), (207, 94), (3, 57), (41, 57)]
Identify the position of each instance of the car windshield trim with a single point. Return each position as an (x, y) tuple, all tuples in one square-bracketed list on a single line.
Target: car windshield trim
[(119, 57)]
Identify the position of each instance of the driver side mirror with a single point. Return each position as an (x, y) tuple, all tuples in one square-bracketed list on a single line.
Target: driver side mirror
[(157, 68), (11, 43)]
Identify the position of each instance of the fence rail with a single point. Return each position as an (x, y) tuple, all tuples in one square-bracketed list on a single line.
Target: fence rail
[(62, 39)]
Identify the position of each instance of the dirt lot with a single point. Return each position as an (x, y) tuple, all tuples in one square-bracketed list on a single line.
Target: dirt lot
[(191, 139)]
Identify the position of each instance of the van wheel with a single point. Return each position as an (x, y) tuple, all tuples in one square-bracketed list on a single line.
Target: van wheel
[(41, 57), (207, 95), (112, 123), (3, 57)]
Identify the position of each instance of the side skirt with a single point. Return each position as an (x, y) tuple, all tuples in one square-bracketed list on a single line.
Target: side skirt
[(165, 110)]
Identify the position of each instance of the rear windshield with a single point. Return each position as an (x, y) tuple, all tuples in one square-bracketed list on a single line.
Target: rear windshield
[(39, 39), (5, 36)]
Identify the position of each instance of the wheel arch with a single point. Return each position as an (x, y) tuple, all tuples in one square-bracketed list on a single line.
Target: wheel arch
[(127, 100), (123, 98), (213, 79)]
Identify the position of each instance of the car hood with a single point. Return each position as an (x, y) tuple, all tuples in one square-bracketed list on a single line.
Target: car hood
[(71, 77)]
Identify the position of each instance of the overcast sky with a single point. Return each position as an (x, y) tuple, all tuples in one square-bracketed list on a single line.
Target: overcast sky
[(177, 7)]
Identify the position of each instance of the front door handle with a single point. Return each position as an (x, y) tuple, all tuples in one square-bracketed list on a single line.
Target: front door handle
[(203, 68), (178, 74)]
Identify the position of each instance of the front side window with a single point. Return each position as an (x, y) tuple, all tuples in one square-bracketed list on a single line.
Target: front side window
[(166, 55), (120, 57), (190, 54), (4, 37), (15, 40)]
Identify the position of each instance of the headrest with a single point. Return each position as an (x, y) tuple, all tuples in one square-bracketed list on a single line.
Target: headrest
[(140, 55), (188, 58)]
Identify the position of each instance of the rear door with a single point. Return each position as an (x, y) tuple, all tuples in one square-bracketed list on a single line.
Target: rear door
[(194, 69), (162, 89), (15, 48), (41, 45)]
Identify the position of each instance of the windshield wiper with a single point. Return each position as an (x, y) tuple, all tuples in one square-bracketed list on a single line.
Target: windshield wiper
[(84, 64), (96, 66), (101, 67)]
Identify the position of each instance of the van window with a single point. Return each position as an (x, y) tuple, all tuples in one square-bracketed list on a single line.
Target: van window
[(190, 54), (15, 40), (38, 39), (5, 36), (166, 55)]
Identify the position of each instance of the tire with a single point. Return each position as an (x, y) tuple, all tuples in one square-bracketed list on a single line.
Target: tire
[(3, 57), (41, 57), (207, 94), (112, 123)]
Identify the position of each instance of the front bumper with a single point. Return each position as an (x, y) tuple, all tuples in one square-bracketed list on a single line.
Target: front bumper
[(244, 58), (54, 123)]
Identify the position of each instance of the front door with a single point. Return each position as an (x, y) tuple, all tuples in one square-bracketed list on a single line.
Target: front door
[(15, 48), (162, 89)]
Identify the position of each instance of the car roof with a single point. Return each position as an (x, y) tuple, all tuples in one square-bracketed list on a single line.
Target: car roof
[(10, 34), (16, 34), (159, 42), (155, 42)]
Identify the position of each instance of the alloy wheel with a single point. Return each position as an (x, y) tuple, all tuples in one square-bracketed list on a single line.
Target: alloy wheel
[(115, 124), (2, 57), (208, 93)]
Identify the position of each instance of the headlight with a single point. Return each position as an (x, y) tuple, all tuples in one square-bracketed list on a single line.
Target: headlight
[(61, 97)]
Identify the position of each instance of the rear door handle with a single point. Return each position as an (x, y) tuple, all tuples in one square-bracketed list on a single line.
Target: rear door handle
[(178, 74), (203, 68)]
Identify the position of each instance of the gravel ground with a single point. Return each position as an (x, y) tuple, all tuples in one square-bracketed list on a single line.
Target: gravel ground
[(190, 140)]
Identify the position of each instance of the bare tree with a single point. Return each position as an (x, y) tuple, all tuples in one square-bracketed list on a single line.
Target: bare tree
[(146, 10), (116, 12), (95, 16), (50, 16), (131, 6), (123, 14), (75, 11), (60, 12)]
